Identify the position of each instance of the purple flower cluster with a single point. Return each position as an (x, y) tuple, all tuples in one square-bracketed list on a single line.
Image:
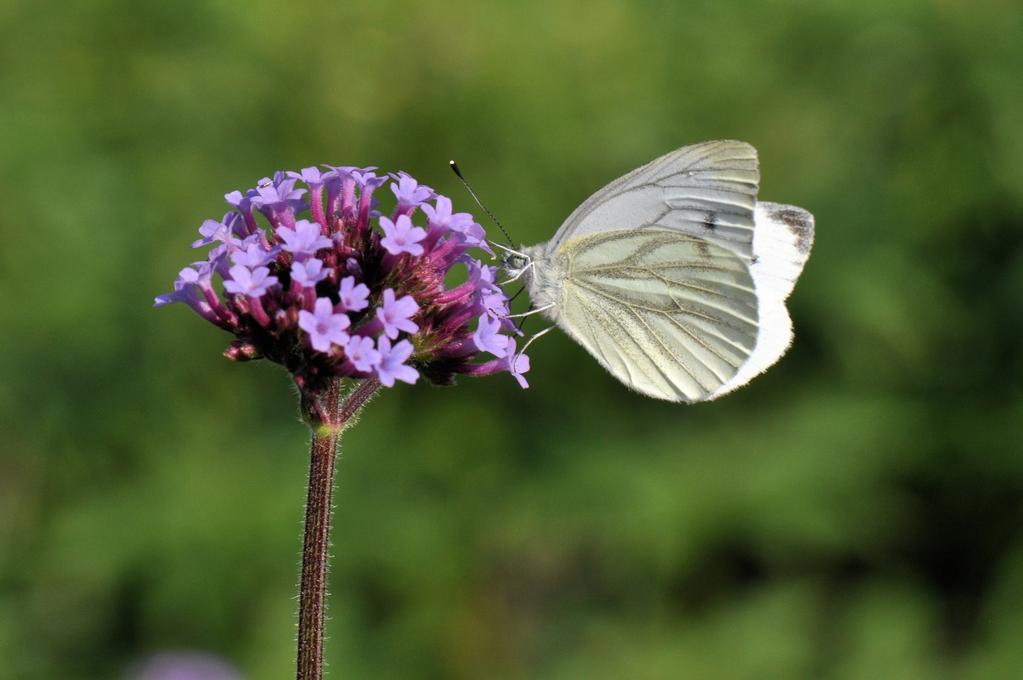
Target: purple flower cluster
[(184, 666), (344, 290)]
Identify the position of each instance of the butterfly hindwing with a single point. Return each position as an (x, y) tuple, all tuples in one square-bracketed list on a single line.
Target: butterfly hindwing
[(672, 315)]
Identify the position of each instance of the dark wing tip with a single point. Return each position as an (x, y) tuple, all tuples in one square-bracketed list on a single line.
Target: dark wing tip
[(799, 222)]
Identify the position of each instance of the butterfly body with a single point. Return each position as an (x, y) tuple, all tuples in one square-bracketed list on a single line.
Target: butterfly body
[(674, 276), (543, 275)]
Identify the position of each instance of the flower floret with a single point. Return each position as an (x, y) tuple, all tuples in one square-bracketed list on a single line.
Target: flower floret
[(362, 353), (307, 274), (354, 297), (304, 240), (396, 314), (392, 363), (249, 282), (401, 237), (324, 326)]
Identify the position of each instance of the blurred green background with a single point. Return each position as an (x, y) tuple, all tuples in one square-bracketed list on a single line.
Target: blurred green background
[(857, 512)]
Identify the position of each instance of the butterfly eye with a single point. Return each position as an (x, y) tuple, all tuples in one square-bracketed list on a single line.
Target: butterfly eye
[(513, 262)]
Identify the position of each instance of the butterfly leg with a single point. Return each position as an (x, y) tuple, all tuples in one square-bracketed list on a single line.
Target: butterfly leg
[(531, 312), (536, 335)]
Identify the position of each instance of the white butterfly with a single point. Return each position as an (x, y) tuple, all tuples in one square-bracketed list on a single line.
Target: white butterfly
[(674, 276)]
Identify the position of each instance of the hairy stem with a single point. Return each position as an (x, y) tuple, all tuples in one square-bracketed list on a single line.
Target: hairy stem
[(334, 414)]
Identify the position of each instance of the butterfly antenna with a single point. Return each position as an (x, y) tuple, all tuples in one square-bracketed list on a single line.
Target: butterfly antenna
[(458, 173)]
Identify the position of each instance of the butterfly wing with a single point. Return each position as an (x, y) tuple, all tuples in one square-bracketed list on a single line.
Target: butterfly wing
[(707, 190), (782, 239), (669, 314), (675, 278)]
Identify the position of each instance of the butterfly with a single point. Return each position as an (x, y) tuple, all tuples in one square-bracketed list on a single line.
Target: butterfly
[(674, 276)]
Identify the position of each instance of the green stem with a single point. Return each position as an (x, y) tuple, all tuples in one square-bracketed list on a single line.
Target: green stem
[(336, 415)]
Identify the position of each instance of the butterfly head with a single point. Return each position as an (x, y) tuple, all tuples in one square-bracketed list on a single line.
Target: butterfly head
[(514, 262)]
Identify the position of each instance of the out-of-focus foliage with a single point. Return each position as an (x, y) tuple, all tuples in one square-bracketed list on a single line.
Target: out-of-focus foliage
[(855, 513)]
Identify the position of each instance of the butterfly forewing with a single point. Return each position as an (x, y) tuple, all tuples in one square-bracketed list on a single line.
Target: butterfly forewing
[(706, 190), (670, 314)]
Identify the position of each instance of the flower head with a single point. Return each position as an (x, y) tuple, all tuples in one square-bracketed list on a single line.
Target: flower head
[(366, 290)]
